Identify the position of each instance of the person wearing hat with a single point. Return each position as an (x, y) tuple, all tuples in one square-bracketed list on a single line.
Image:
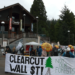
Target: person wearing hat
[(8, 50), (68, 53)]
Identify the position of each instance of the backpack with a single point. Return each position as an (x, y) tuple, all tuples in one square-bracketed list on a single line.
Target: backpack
[(67, 54)]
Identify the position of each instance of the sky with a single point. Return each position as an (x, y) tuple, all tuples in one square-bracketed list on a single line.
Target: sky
[(53, 7)]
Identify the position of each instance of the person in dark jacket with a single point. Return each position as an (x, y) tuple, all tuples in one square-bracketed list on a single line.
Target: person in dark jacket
[(8, 50), (30, 49), (14, 50), (22, 50), (54, 51), (39, 51), (33, 53), (68, 53)]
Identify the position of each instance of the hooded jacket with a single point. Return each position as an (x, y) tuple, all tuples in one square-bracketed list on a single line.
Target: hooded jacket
[(70, 53), (39, 51)]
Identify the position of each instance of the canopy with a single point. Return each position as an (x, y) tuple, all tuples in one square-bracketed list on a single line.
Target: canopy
[(33, 43)]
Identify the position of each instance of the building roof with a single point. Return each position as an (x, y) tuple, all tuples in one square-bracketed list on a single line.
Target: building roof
[(11, 6)]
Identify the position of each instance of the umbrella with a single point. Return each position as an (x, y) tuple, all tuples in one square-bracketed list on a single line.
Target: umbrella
[(72, 47), (47, 46), (69, 45), (57, 46)]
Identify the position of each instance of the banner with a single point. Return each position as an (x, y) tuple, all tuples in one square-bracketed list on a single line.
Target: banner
[(21, 24), (30, 65), (10, 23)]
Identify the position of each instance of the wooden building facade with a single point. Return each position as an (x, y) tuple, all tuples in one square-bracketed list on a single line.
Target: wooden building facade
[(19, 24)]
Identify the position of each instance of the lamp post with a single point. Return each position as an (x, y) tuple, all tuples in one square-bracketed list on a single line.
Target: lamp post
[(73, 39), (2, 30), (24, 22), (24, 30), (37, 24), (69, 36)]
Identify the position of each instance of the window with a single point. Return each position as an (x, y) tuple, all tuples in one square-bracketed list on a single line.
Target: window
[(2, 28), (22, 29), (13, 29)]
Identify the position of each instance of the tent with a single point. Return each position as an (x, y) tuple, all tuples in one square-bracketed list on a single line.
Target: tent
[(33, 43)]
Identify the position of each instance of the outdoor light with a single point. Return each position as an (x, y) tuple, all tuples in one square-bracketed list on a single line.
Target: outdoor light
[(69, 36), (2, 22), (24, 30), (37, 17), (24, 21), (37, 24), (24, 14), (68, 30)]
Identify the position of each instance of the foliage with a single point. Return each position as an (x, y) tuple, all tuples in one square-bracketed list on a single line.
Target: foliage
[(57, 30), (68, 23), (38, 9)]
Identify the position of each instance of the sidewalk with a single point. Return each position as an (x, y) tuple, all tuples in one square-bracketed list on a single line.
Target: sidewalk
[(2, 66)]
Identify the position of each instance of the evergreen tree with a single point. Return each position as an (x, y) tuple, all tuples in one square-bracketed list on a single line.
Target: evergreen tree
[(38, 9), (67, 23)]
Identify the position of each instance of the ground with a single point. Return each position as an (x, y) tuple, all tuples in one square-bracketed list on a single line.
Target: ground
[(2, 66)]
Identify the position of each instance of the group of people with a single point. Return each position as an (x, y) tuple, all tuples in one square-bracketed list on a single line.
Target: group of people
[(61, 52), (38, 52), (14, 51), (41, 52)]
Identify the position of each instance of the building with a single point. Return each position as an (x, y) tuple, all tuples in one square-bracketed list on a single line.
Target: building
[(15, 21)]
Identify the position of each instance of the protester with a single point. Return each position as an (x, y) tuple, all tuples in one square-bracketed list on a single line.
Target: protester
[(54, 51), (22, 50), (44, 53), (8, 50), (39, 51), (68, 53), (33, 53), (62, 51), (59, 51), (30, 49), (72, 50), (14, 50)]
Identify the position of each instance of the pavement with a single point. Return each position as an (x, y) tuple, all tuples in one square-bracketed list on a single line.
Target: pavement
[(2, 65)]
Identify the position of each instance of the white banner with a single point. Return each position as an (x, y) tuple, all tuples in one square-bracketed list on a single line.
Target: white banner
[(39, 65)]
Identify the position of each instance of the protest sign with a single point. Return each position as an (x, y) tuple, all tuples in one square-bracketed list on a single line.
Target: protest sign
[(30, 65)]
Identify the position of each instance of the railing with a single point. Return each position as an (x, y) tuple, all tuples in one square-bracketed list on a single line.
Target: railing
[(17, 36), (45, 39)]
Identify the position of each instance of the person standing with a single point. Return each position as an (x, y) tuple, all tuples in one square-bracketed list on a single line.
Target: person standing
[(8, 50), (54, 51), (14, 50), (68, 53), (39, 51), (44, 53), (30, 50)]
